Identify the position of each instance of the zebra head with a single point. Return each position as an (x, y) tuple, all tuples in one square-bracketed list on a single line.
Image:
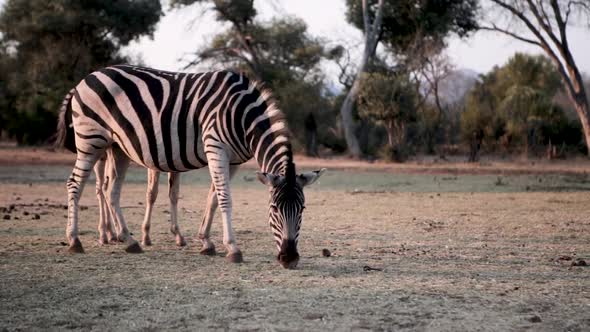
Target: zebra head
[(286, 208)]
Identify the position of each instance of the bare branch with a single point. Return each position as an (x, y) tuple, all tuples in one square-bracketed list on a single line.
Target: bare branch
[(511, 34)]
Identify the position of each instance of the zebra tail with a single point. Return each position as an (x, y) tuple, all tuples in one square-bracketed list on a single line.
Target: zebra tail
[(64, 137)]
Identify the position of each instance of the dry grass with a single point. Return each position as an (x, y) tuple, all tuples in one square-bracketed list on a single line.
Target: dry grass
[(448, 261)]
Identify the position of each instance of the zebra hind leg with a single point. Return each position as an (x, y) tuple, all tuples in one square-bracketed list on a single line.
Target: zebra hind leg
[(117, 176), (85, 161), (173, 192)]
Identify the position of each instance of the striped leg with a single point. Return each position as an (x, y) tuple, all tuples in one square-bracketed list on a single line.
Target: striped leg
[(103, 219), (204, 230), (75, 185), (150, 198), (117, 176), (111, 225), (173, 192), (220, 175)]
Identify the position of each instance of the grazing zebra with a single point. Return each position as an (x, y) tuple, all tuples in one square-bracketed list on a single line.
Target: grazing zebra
[(175, 122), (106, 174)]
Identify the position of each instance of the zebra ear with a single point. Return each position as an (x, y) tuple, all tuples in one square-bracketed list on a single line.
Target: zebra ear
[(268, 179), (308, 178)]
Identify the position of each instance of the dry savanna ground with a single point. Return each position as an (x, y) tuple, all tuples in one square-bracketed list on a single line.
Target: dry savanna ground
[(458, 250)]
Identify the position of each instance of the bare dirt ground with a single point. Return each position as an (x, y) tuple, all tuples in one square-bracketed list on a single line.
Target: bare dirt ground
[(437, 260)]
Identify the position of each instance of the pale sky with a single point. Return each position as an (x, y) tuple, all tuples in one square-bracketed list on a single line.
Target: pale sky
[(183, 31)]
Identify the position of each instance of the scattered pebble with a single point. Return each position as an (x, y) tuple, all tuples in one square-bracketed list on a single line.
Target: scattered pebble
[(535, 319), (36, 216), (26, 213), (326, 253), (6, 217), (367, 268), (83, 207), (579, 262)]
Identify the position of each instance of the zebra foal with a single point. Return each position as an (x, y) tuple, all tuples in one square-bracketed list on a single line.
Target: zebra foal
[(175, 122)]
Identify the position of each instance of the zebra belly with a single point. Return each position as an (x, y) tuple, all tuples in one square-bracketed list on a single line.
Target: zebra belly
[(164, 157)]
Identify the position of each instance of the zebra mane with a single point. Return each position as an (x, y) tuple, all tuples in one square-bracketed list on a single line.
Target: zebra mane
[(287, 168), (290, 175)]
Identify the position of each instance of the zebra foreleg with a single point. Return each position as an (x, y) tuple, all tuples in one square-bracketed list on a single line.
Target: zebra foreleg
[(219, 169), (99, 169), (208, 246), (173, 192), (204, 230), (117, 176), (150, 198)]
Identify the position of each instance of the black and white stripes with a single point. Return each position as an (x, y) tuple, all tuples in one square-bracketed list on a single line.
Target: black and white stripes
[(176, 122)]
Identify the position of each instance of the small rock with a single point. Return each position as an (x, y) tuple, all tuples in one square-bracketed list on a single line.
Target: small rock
[(36, 216), (368, 268), (6, 217), (83, 207), (26, 213), (326, 253), (579, 262), (313, 316), (535, 319), (63, 243)]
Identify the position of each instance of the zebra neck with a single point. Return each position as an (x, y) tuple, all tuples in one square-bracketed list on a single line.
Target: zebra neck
[(274, 153)]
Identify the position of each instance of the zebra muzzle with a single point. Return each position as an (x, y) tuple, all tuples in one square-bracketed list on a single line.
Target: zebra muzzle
[(288, 256)]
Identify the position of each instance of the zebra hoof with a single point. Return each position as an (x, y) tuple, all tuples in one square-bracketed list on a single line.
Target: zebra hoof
[(147, 242), (235, 257), (134, 248), (181, 242), (76, 247), (208, 251)]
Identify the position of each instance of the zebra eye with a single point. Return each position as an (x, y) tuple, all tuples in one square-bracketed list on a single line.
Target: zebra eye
[(274, 208)]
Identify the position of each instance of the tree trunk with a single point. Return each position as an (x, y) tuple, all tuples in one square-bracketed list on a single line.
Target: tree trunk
[(371, 40), (347, 121), (584, 113)]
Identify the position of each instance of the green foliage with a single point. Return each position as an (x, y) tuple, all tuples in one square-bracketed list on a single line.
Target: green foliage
[(50, 45), (279, 53), (389, 99), (513, 105), (406, 21)]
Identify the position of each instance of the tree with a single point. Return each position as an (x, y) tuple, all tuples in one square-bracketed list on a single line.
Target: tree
[(511, 103), (401, 26), (546, 22), (372, 31), (279, 53), (53, 44), (389, 99)]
